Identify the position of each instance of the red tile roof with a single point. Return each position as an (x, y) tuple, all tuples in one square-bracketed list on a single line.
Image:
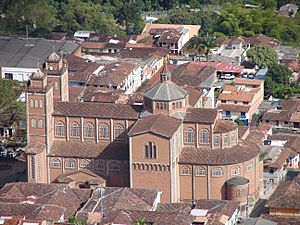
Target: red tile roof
[(158, 124), (100, 110), (201, 115), (286, 195), (234, 107), (118, 151), (242, 152), (223, 126)]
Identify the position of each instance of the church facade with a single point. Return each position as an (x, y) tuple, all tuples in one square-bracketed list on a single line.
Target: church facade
[(188, 153)]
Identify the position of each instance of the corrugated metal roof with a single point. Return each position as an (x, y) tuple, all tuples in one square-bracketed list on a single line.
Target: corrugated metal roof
[(14, 52)]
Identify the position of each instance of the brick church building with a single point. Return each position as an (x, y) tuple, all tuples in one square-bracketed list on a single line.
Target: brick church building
[(188, 153)]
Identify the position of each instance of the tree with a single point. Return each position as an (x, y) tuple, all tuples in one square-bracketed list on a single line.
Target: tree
[(129, 15), (74, 220), (39, 15), (278, 82), (280, 74), (262, 56), (11, 110), (77, 14)]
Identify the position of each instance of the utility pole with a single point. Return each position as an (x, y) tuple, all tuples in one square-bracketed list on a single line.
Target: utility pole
[(26, 26)]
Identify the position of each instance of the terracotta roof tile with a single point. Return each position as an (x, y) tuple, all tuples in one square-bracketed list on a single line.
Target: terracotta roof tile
[(281, 220), (223, 126), (157, 124), (193, 28), (201, 115), (90, 150), (234, 107), (112, 74), (192, 74), (286, 195), (247, 81), (242, 152), (245, 96), (100, 110), (41, 201)]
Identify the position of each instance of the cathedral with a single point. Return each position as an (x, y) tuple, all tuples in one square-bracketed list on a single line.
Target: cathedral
[(188, 153)]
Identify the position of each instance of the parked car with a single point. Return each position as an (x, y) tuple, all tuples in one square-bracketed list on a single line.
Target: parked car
[(251, 75), (3, 153), (228, 76), (245, 75)]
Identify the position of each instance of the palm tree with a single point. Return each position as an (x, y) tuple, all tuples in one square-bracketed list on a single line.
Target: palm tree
[(202, 45)]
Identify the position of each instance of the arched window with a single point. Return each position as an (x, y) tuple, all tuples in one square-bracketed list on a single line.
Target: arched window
[(157, 105), (217, 140), (204, 136), (226, 140), (31, 103), (99, 165), (85, 163), (217, 172), (118, 132), (150, 150), (33, 123), (40, 123), (180, 104), (103, 131), (115, 166), (189, 135), (235, 170), (185, 171), (200, 171), (74, 129), (55, 163), (36, 103), (59, 129), (88, 130), (70, 164), (249, 166), (41, 103)]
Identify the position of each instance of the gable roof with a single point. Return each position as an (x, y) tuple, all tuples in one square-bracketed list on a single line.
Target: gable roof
[(41, 201), (193, 29), (200, 115), (157, 124), (192, 74), (286, 195)]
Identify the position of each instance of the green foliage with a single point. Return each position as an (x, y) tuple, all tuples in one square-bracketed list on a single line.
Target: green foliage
[(74, 220), (262, 56), (278, 82), (11, 110), (141, 222), (239, 122), (280, 74), (129, 15), (77, 14)]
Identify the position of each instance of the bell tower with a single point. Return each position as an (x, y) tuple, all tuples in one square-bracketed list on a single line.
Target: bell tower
[(57, 73), (39, 109)]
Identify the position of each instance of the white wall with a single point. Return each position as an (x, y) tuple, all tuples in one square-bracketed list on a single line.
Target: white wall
[(19, 74)]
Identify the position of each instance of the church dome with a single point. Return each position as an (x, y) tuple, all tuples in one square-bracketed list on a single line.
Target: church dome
[(165, 90)]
